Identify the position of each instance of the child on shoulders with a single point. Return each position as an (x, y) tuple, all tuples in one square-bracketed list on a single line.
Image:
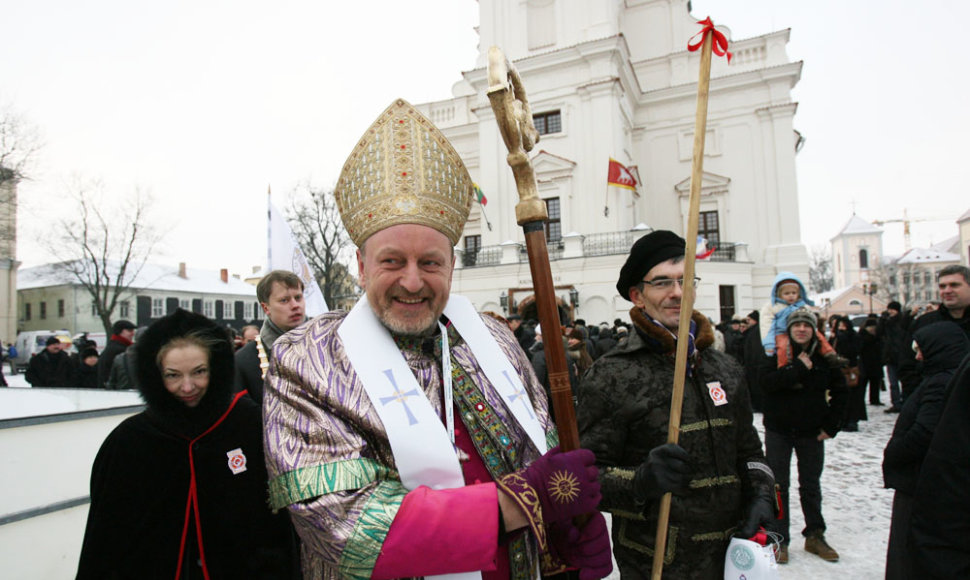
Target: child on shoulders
[(787, 295)]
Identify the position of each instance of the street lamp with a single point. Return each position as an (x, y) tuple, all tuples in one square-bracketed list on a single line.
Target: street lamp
[(574, 297)]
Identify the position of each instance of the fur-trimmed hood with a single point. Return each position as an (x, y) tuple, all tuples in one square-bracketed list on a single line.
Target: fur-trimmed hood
[(664, 341), (165, 410)]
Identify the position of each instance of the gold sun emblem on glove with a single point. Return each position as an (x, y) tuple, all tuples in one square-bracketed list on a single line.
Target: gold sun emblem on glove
[(564, 487)]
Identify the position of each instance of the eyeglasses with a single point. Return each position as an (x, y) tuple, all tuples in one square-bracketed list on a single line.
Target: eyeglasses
[(668, 283)]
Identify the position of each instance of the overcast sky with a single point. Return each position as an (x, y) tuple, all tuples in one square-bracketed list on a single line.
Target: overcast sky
[(206, 103)]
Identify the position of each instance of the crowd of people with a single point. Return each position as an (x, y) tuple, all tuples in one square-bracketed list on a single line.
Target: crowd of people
[(414, 421)]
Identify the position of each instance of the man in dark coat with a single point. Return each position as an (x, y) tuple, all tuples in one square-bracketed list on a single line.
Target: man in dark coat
[(870, 359), (805, 403), (523, 334), (893, 336), (753, 357), (941, 348), (606, 341), (954, 286), (50, 367), (940, 535), (280, 295), (122, 333), (721, 483)]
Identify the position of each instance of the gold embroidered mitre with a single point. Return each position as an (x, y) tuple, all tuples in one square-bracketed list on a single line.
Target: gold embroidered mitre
[(403, 171)]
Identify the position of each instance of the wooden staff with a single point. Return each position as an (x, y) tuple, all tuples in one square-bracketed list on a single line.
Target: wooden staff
[(687, 300), (514, 118)]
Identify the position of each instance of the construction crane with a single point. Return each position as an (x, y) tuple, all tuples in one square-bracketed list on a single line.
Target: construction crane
[(905, 221)]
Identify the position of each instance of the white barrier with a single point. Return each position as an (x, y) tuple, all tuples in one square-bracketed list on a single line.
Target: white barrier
[(48, 441)]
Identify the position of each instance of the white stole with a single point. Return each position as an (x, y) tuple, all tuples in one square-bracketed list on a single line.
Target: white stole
[(422, 448)]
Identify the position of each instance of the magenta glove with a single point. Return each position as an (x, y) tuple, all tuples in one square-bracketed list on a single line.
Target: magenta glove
[(587, 549), (565, 484)]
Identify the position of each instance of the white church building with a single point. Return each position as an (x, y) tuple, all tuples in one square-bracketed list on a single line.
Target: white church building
[(614, 79)]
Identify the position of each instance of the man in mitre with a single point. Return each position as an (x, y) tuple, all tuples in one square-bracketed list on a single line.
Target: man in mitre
[(410, 437)]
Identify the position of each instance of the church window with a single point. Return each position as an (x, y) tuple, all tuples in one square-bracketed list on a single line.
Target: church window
[(863, 258), (60, 308), (27, 311), (472, 245), (546, 123), (43, 311), (707, 228), (554, 223)]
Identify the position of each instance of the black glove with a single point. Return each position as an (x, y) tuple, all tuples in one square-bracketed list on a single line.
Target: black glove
[(667, 468), (760, 511)]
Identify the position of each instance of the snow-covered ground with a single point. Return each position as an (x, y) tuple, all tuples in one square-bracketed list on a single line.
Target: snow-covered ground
[(856, 506)]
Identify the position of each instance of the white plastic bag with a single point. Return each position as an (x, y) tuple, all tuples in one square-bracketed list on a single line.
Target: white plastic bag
[(747, 560)]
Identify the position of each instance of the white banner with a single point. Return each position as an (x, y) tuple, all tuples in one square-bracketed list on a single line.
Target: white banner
[(283, 253)]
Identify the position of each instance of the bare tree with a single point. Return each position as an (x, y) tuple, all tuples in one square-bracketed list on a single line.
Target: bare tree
[(104, 248), (820, 276), (320, 233), (19, 144)]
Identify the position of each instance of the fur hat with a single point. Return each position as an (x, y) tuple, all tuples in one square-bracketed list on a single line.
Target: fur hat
[(894, 305), (52, 340), (803, 315)]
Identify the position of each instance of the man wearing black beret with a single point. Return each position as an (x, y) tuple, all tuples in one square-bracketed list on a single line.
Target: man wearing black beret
[(721, 483)]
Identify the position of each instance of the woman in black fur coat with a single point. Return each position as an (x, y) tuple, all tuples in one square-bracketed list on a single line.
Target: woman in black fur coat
[(179, 490)]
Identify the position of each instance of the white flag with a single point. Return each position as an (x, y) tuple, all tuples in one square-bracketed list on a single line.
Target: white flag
[(284, 254)]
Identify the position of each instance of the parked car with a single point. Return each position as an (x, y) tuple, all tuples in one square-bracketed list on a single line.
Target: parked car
[(31, 342)]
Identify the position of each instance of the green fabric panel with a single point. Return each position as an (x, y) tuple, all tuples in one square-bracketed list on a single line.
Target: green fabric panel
[(310, 482), (364, 545)]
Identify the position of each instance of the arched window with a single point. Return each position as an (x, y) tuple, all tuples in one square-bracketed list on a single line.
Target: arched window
[(863, 258)]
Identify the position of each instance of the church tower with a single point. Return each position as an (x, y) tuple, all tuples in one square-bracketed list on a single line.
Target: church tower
[(856, 251)]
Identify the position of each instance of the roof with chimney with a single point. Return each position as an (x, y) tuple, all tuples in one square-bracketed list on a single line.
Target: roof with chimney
[(151, 277)]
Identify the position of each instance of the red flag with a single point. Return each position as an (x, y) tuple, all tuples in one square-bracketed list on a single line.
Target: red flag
[(620, 176)]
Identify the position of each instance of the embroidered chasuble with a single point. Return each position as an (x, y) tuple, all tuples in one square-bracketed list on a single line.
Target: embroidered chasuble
[(330, 462)]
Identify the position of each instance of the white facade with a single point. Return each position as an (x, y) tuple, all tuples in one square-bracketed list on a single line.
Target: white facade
[(619, 79)]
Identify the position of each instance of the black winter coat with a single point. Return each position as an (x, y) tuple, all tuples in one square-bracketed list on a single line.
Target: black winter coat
[(796, 398), (623, 413), (111, 350), (171, 471), (249, 377), (940, 536), (943, 346), (47, 369), (870, 357)]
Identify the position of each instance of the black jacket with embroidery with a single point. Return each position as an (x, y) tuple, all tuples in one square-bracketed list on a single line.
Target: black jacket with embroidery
[(167, 472), (623, 412)]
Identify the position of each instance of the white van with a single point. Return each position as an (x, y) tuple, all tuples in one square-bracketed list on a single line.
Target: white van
[(31, 342)]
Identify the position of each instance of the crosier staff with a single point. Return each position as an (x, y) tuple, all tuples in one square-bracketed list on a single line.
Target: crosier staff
[(712, 41), (514, 118)]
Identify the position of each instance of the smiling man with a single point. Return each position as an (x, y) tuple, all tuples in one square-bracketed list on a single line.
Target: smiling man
[(721, 483), (410, 437)]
